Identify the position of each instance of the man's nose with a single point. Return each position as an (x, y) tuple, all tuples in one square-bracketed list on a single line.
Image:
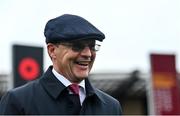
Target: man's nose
[(86, 52)]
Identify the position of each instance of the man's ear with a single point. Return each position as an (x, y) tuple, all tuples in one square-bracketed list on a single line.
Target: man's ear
[(51, 50)]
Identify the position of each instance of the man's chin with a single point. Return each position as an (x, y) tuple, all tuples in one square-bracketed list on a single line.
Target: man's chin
[(79, 78), (82, 75)]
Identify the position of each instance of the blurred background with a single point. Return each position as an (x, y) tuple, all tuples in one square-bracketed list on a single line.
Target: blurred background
[(134, 30)]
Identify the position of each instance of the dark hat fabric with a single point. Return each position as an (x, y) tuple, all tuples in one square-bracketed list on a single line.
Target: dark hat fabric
[(70, 27)]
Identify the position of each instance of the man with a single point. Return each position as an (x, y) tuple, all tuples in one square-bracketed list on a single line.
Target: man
[(64, 88)]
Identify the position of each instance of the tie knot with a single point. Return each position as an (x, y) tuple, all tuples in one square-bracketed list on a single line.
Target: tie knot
[(74, 88)]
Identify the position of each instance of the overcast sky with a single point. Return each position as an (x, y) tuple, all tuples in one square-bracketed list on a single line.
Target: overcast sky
[(133, 29)]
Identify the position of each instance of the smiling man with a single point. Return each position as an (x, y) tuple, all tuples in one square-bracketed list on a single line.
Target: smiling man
[(64, 88), (73, 59)]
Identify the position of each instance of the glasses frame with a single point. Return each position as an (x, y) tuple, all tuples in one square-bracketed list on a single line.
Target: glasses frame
[(78, 47)]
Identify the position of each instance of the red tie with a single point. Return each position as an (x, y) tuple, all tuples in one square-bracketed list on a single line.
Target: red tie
[(74, 88), (74, 97)]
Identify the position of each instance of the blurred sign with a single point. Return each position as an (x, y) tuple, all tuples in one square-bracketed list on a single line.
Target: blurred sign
[(27, 63), (166, 96)]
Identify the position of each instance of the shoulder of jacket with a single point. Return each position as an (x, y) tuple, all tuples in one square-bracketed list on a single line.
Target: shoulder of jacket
[(109, 100), (24, 89), (105, 96)]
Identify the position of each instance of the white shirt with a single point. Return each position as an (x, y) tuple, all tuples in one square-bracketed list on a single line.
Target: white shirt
[(66, 82)]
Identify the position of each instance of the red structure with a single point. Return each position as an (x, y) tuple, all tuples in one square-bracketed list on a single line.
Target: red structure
[(165, 89)]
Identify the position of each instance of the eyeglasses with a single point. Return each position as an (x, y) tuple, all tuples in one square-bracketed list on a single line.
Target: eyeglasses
[(78, 46)]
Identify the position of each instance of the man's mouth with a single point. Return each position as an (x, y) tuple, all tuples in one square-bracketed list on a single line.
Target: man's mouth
[(83, 63)]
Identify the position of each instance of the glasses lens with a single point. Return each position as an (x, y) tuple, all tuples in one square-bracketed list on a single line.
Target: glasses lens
[(97, 47), (77, 46)]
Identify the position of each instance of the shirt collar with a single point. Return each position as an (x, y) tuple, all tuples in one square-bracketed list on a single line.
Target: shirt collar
[(65, 81)]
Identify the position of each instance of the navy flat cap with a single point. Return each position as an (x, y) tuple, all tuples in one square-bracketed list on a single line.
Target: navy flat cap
[(70, 27)]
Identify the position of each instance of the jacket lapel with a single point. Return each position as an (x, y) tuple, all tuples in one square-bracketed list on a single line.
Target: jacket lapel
[(51, 84), (92, 91)]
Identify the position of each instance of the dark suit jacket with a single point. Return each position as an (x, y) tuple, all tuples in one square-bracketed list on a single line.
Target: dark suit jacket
[(47, 95)]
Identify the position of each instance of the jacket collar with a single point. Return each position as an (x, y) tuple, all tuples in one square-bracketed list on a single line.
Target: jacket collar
[(92, 91), (51, 84), (54, 87)]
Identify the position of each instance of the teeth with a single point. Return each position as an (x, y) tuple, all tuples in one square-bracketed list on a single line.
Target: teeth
[(84, 63)]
